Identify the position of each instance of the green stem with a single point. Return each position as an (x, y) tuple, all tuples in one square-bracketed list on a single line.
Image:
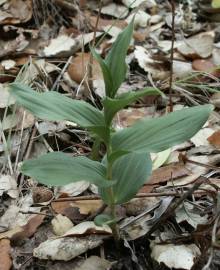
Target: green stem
[(114, 227), (95, 149)]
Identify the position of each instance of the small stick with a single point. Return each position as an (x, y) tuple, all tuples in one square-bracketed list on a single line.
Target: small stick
[(35, 213), (139, 195), (90, 75), (171, 57), (61, 73)]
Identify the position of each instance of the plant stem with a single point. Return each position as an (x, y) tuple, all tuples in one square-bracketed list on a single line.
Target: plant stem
[(114, 227), (95, 149)]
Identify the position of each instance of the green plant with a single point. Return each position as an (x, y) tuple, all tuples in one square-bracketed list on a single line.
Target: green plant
[(216, 3), (127, 163)]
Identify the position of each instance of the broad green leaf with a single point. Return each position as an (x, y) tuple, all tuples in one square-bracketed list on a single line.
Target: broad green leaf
[(105, 71), (56, 107), (112, 106), (57, 169), (216, 3), (115, 60), (158, 134), (129, 172)]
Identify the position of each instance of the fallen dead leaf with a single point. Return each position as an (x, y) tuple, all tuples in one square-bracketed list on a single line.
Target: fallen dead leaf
[(78, 67), (203, 65), (85, 207), (115, 10), (206, 65), (74, 189), (5, 258), (215, 100), (135, 227), (8, 185), (102, 23), (5, 98), (204, 159), (190, 214), (168, 172), (175, 256), (41, 194), (214, 139), (183, 181), (138, 205), (66, 248), (30, 228), (61, 225), (94, 263), (181, 69), (63, 45), (134, 4), (156, 68), (200, 45), (88, 228), (8, 64), (201, 137), (128, 117), (16, 12), (216, 56), (141, 19)]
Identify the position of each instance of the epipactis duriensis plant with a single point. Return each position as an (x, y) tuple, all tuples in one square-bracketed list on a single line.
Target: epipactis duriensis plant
[(126, 165)]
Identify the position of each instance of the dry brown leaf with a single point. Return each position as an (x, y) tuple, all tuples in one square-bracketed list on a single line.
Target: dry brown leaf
[(30, 228), (138, 205), (206, 65), (215, 100), (214, 139), (78, 68), (20, 232), (203, 65), (85, 207), (166, 173), (5, 259), (128, 117), (102, 23), (200, 45), (41, 194), (16, 11)]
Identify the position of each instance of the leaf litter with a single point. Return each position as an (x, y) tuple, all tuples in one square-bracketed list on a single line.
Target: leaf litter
[(55, 223)]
